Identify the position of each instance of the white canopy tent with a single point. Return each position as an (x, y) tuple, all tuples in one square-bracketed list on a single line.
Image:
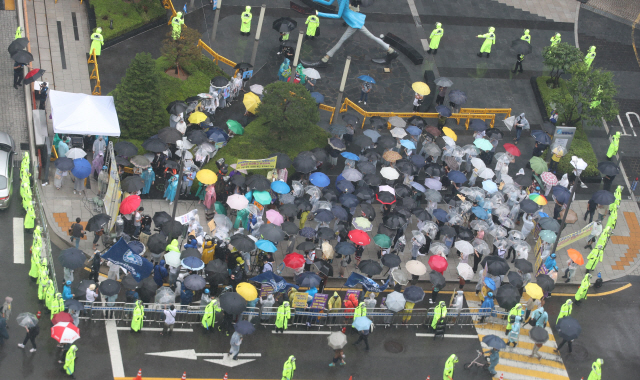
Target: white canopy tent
[(83, 114)]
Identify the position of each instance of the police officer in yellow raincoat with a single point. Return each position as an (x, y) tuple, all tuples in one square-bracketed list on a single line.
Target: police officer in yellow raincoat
[(489, 40), (176, 26), (245, 26), (434, 38), (313, 22), (96, 42)]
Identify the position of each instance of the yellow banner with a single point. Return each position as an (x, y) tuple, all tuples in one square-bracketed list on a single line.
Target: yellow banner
[(575, 236), (265, 163), (299, 300)]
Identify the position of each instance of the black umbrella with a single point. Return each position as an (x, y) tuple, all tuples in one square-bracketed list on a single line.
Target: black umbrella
[(320, 154), (515, 279), (437, 279), (568, 328), (466, 234), (169, 135), (496, 266), (377, 122), (17, 45), (216, 266), (507, 296), (238, 179), (324, 267), (257, 182), (172, 229), (129, 282), (308, 280), (407, 203), (458, 97), (405, 212), (365, 193), (72, 304), (177, 107), (602, 197), (97, 222), (391, 260), (109, 287), (345, 248), (148, 289), (385, 197), (351, 119), (521, 47), (417, 121), (545, 282), (306, 246), (194, 282), (197, 137), (434, 170), (523, 180), (122, 161), (154, 145), (160, 218), (157, 243), (386, 142), (283, 161), (413, 294), (284, 24), (219, 81), (529, 206), (72, 258), (403, 191), (494, 133), (370, 267), (394, 220), (81, 288), (243, 66), (64, 164), (330, 194), (338, 129), (22, 56), (171, 164), (304, 163), (132, 183), (190, 252), (421, 214), (448, 231), (368, 210), (125, 149), (418, 161), (539, 334), (288, 210), (608, 168), (549, 127), (494, 341), (339, 212), (232, 303), (349, 200), (550, 224), (289, 228), (363, 141), (244, 327), (541, 137), (524, 266), (326, 233), (372, 179), (478, 125), (302, 204), (405, 166), (382, 229), (243, 243), (272, 233)]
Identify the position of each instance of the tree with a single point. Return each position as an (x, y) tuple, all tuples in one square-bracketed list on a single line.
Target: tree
[(589, 95), (289, 109), (184, 50), (560, 58), (137, 99)]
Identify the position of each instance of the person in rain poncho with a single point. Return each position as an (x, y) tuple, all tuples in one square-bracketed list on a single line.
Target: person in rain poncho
[(149, 178), (370, 303), (209, 317), (565, 310), (63, 147), (594, 257), (514, 312), (282, 317), (289, 368), (266, 305), (29, 219), (596, 370), (581, 294), (613, 147), (97, 164), (440, 312), (550, 263), (103, 181), (489, 41), (236, 341), (487, 306), (284, 72), (520, 123), (334, 304), (176, 26), (170, 192), (434, 38), (96, 42), (99, 146), (6, 308), (138, 316), (514, 333), (570, 271), (540, 317), (210, 197), (457, 302), (449, 366)]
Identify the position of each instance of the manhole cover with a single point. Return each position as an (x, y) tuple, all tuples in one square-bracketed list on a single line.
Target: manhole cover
[(393, 347)]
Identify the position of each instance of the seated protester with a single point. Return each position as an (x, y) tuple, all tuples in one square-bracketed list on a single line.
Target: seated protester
[(193, 243), (145, 225)]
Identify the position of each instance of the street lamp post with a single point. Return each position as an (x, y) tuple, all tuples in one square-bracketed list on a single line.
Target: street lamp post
[(258, 32), (343, 82), (214, 30), (177, 196)]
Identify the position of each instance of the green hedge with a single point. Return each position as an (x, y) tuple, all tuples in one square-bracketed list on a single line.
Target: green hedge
[(126, 15), (580, 146)]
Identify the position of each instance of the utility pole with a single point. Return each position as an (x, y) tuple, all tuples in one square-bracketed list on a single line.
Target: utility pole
[(214, 30), (343, 82), (258, 32)]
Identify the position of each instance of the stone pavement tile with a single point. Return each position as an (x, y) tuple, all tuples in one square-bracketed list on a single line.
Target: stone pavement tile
[(626, 9)]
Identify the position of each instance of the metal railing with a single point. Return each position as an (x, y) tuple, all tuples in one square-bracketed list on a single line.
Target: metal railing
[(41, 220), (506, 111), (325, 107), (95, 74)]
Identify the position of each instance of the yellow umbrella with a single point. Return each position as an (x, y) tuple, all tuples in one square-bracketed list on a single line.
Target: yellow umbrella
[(421, 88), (251, 102), (449, 132), (247, 291), (197, 117), (207, 177), (534, 290)]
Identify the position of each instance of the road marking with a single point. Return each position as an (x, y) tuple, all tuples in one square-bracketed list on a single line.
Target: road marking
[(227, 361), (449, 336), (303, 332), (18, 240), (154, 329), (114, 349), (425, 44), (528, 373), (192, 355)]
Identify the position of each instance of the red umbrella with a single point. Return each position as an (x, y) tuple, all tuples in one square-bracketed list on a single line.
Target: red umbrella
[(359, 237), (130, 204), (65, 332), (33, 75), (61, 317), (438, 263), (512, 149), (294, 260), (386, 198)]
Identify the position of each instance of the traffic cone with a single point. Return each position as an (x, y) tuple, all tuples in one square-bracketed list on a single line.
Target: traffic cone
[(184, 376), (139, 377), (225, 376), (501, 376), (350, 377), (428, 377)]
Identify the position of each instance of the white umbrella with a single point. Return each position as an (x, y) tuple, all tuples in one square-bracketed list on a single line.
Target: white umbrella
[(352, 175), (395, 302), (337, 339), (486, 174), (478, 164), (237, 201), (74, 153), (389, 173), (464, 247), (419, 237), (257, 89), (397, 121), (311, 73), (398, 132), (416, 267), (578, 163), (172, 258), (465, 271), (387, 188), (448, 140)]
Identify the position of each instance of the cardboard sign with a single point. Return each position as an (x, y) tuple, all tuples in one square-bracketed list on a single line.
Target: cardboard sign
[(352, 291), (319, 301), (265, 290), (299, 300)]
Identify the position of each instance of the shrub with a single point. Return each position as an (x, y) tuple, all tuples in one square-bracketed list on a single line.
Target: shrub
[(126, 16)]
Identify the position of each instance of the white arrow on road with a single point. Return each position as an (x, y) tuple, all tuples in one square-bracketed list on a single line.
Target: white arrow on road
[(227, 361), (192, 355)]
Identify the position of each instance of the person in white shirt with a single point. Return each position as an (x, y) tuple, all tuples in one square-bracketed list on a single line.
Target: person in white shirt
[(169, 319), (310, 258), (91, 295)]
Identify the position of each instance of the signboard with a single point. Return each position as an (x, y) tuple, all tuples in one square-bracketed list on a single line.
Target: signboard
[(563, 137), (265, 290), (575, 236), (352, 291), (299, 300), (265, 163), (319, 301)]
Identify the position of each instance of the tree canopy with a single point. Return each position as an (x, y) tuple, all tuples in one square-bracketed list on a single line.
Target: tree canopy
[(560, 58), (184, 50)]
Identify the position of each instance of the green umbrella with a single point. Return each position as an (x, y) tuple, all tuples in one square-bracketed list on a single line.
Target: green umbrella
[(538, 165), (235, 127), (483, 144), (262, 197), (548, 236), (220, 209), (382, 241)]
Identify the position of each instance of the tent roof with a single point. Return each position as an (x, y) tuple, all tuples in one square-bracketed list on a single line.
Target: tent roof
[(83, 114)]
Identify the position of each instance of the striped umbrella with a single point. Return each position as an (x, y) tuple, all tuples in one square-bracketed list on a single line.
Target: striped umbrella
[(65, 332)]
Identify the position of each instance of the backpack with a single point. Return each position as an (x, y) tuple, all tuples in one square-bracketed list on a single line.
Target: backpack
[(598, 283)]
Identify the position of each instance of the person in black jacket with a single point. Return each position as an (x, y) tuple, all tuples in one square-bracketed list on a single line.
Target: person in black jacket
[(32, 333)]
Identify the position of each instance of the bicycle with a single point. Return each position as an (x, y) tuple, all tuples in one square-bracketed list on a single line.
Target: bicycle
[(476, 362)]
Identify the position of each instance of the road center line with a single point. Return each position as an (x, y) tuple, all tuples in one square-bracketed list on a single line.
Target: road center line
[(153, 329), (304, 332), (114, 349), (448, 336), (18, 240)]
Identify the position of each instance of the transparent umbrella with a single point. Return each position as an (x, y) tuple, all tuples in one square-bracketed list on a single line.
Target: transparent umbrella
[(165, 296)]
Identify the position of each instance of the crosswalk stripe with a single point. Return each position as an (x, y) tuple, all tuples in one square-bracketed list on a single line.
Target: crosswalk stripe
[(528, 345), (524, 357), (532, 366), (529, 373), (524, 330), (522, 338)]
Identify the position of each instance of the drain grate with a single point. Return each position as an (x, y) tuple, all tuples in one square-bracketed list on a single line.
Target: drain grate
[(393, 347)]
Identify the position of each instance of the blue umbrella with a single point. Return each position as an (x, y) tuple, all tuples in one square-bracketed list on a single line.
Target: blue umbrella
[(543, 214), (418, 161), (479, 212), (443, 110), (217, 135), (362, 323), (418, 186), (408, 144), (319, 179), (349, 200), (193, 263), (541, 136), (308, 232), (490, 283), (373, 134), (244, 327), (308, 280), (345, 186), (318, 97), (339, 212), (490, 186), (367, 78), (81, 168), (413, 130), (440, 214), (457, 176), (478, 125), (266, 246), (280, 187), (350, 156), (561, 193)]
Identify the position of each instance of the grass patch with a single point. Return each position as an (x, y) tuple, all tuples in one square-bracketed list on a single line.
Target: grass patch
[(257, 142), (126, 15), (580, 146)]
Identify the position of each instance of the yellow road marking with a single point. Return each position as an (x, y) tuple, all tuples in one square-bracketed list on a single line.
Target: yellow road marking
[(496, 327), (529, 359), (529, 372), (529, 346)]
